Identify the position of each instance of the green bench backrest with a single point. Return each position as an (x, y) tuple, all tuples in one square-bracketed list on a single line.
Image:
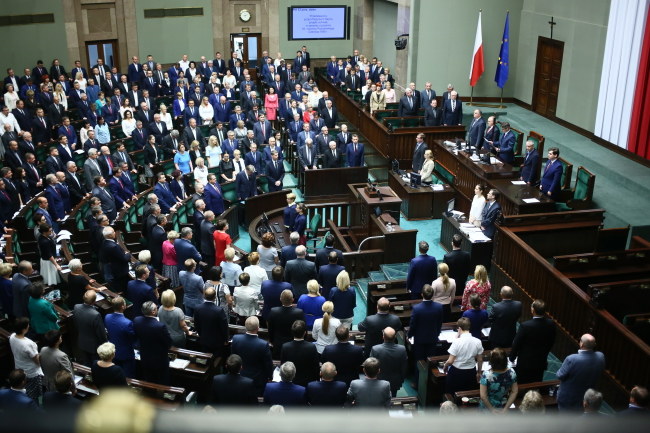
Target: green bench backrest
[(445, 174)]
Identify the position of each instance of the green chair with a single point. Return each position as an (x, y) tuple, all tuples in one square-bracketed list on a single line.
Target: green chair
[(565, 181), (583, 191), (444, 174), (393, 122), (317, 242), (229, 190), (392, 106), (312, 230), (412, 122)]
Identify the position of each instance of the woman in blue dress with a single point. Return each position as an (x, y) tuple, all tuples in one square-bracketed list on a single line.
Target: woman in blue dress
[(182, 160)]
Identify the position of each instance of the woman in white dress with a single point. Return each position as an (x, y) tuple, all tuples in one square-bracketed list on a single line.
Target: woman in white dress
[(324, 330), (314, 96), (11, 97), (478, 203), (79, 78), (427, 168), (257, 273), (128, 123), (229, 79), (206, 112), (201, 172), (165, 117), (63, 99), (213, 152), (278, 60)]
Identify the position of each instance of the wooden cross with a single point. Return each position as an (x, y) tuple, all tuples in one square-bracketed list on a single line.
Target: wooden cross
[(552, 23)]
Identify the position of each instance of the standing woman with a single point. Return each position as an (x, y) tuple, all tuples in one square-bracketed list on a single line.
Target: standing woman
[(11, 97), (194, 152), (6, 290), (427, 168), (256, 273), (206, 111), (173, 318), (152, 157), (300, 223), (324, 330), (165, 117), (389, 92), (47, 248), (24, 193), (444, 290), (377, 100), (498, 386), (479, 285), (128, 123), (178, 105), (344, 298), (311, 303), (465, 354), (478, 203), (26, 358), (268, 253), (43, 315), (271, 105), (201, 172), (169, 265), (213, 152), (227, 168), (182, 159)]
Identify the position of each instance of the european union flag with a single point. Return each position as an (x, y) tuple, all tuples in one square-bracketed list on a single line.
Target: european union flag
[(504, 56)]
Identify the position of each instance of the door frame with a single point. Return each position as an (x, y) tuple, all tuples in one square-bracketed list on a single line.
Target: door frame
[(116, 51), (542, 40), (245, 36)]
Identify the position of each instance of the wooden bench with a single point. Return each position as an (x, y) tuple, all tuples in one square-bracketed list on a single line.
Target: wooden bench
[(470, 399)]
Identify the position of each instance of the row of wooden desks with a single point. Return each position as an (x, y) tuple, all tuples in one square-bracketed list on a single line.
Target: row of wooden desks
[(422, 202)]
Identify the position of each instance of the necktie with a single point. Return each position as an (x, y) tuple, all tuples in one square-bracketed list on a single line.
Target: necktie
[(275, 165), (308, 155), (453, 105), (122, 156), (43, 121), (410, 102), (239, 165), (334, 153), (263, 130)]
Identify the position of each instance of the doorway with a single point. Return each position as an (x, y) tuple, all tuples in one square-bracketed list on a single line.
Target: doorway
[(547, 76), (248, 47), (105, 50)]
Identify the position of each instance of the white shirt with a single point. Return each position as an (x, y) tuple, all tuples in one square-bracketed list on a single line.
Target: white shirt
[(24, 351), (465, 348), (478, 203), (323, 340), (201, 175), (257, 274), (184, 64), (246, 300), (10, 119), (167, 120)]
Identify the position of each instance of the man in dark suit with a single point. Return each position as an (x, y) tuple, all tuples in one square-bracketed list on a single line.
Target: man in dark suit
[(285, 393), (375, 324), (280, 320), (299, 271), (552, 175), (423, 269), (427, 95), (254, 158), (158, 129), (288, 252), (505, 145), (118, 189), (322, 254), (91, 332), (330, 115), (121, 334), (15, 397), (503, 319), (275, 172), (418, 153), (156, 239), (332, 158), (246, 183), (302, 353), (532, 344), (578, 373), (327, 392), (23, 117), (459, 262), (272, 293), (231, 388), (222, 110), (213, 196), (345, 356), (13, 158), (41, 127), (139, 292), (166, 199), (491, 134), (369, 392), (134, 70), (638, 404), (206, 230), (108, 202), (355, 152), (426, 321), (62, 398), (327, 273), (112, 254), (491, 212), (155, 342), (408, 105), (191, 133), (190, 112), (255, 355), (432, 114), (211, 324), (393, 360), (529, 172), (476, 130), (185, 249), (452, 110), (34, 178)]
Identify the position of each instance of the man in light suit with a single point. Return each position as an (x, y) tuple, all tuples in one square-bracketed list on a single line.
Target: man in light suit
[(298, 271), (121, 334), (393, 359), (532, 344), (503, 319), (422, 270), (578, 373), (476, 130), (255, 354), (91, 332), (375, 324), (285, 392), (552, 175), (418, 153), (355, 152), (307, 156), (490, 213), (529, 172), (369, 392), (505, 146), (452, 110), (91, 169), (108, 202), (408, 105), (155, 342)]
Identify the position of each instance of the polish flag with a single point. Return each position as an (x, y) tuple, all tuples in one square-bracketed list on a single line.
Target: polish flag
[(477, 67)]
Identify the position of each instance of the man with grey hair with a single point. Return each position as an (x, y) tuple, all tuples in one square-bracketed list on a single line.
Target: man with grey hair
[(452, 110), (206, 240), (170, 143), (289, 251), (115, 260), (298, 271), (152, 199), (91, 169), (90, 327), (255, 354), (185, 249), (155, 342), (578, 373), (332, 158), (21, 288), (307, 155), (285, 392), (54, 197), (327, 391), (591, 402), (246, 183), (408, 104), (75, 186)]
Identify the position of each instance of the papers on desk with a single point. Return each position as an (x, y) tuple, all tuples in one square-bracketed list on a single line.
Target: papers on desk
[(518, 182), (63, 234), (437, 187), (276, 375), (478, 237), (77, 379), (84, 388), (457, 214), (79, 151), (530, 200), (99, 297), (448, 335), (179, 364)]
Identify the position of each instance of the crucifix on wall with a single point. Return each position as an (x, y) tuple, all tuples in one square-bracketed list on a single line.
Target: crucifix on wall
[(552, 24)]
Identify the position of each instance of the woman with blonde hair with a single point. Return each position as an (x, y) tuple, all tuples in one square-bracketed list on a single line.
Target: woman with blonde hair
[(63, 99), (173, 318), (257, 273), (206, 111), (201, 171), (444, 289), (213, 152), (427, 168), (390, 94), (479, 285), (105, 373), (344, 298), (165, 117), (312, 303), (324, 331)]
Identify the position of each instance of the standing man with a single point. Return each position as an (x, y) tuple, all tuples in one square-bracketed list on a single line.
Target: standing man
[(408, 105), (552, 175), (246, 183), (280, 319), (348, 357), (298, 271), (426, 322), (121, 334), (155, 342), (459, 262), (255, 354), (503, 319), (422, 270), (90, 327), (529, 172), (374, 325), (452, 110), (532, 344), (211, 324), (393, 358), (355, 152), (275, 172), (505, 146), (490, 213), (476, 130), (418, 153), (578, 373), (369, 392), (302, 353)]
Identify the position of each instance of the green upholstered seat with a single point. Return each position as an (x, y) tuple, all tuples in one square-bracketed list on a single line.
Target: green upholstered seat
[(444, 174)]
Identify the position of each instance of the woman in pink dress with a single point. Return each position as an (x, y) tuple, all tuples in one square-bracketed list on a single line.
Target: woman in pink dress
[(169, 268), (479, 285), (271, 106)]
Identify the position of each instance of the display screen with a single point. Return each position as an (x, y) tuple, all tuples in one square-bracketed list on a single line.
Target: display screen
[(324, 22)]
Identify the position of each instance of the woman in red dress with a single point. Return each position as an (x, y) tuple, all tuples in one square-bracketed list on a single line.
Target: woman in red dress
[(222, 241), (271, 105), (479, 285)]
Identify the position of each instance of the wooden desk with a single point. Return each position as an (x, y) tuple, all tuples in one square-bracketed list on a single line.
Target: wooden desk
[(276, 219), (364, 206), (512, 198), (422, 202), (330, 183), (266, 202), (398, 243), (480, 252)]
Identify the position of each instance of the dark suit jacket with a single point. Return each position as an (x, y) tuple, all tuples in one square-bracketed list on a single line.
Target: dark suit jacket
[(491, 134), (233, 390), (302, 155), (406, 109), (62, 403), (90, 327), (578, 373), (279, 323), (16, 400), (327, 276), (206, 231), (551, 178), (155, 342), (330, 121), (108, 202), (212, 325), (432, 116), (476, 132), (423, 269), (139, 292), (418, 156), (355, 159), (288, 252), (506, 145), (285, 394), (393, 360), (121, 334), (374, 325), (271, 291), (246, 185), (489, 217), (503, 320), (256, 358), (327, 393), (274, 174), (297, 273), (426, 321), (529, 169), (460, 266), (213, 199), (329, 161), (452, 117), (185, 250), (347, 358), (533, 342), (119, 260), (305, 356)]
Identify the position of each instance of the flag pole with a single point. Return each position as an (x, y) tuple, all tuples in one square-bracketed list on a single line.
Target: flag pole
[(501, 103)]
